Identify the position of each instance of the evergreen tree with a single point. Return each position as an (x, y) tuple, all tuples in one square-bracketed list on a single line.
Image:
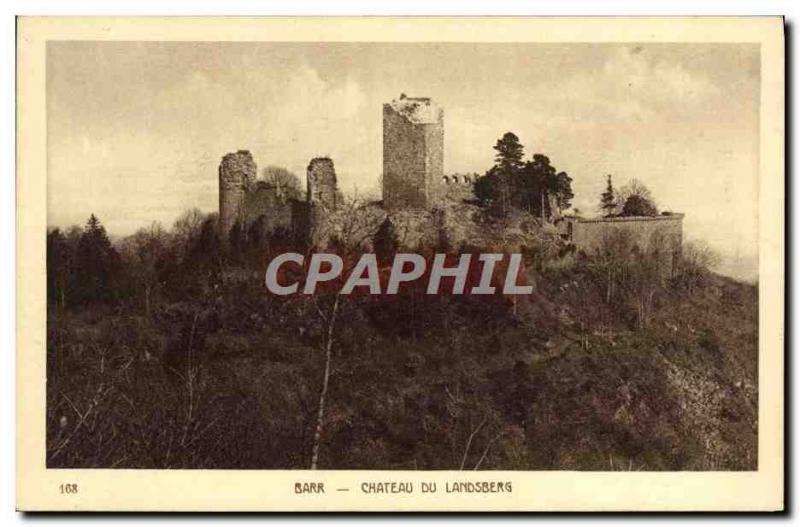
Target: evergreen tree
[(508, 164), (486, 189), (540, 180), (528, 186), (509, 153), (497, 187), (563, 190), (608, 201), (535, 178), (95, 263)]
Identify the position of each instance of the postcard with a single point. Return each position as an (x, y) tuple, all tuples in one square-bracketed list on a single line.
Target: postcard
[(400, 264)]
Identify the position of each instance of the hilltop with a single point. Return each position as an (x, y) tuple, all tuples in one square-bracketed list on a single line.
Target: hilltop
[(222, 375)]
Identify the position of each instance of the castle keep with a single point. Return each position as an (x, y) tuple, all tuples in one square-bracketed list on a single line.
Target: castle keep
[(413, 152)]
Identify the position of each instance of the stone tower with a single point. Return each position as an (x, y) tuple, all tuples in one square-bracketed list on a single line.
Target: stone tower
[(237, 172), (413, 152), (321, 183)]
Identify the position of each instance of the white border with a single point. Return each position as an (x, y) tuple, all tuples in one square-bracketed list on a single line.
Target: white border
[(145, 7)]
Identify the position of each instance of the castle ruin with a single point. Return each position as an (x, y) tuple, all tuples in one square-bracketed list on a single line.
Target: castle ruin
[(413, 152), (414, 183), (237, 173), (245, 201), (657, 235), (321, 182)]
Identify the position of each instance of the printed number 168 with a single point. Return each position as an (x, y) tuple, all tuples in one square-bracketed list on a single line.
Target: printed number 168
[(68, 488)]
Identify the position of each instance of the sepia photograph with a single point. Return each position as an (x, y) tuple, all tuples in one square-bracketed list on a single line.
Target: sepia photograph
[(492, 256)]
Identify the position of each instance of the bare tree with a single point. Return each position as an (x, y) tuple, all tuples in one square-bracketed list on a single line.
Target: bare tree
[(348, 227), (330, 323), (147, 247), (696, 261), (187, 228), (639, 192), (609, 261), (286, 183), (643, 280)]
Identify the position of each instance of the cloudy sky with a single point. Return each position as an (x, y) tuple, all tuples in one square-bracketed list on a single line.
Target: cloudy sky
[(136, 130)]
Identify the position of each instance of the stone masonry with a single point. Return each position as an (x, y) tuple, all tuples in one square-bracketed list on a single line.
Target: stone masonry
[(237, 172), (661, 235), (413, 182), (413, 152), (251, 203), (321, 182)]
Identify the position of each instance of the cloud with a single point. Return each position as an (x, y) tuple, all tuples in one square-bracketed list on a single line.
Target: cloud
[(632, 84), (164, 154)]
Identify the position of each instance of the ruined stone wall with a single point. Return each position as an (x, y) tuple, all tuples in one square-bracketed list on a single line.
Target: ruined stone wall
[(237, 172), (262, 202), (258, 206), (413, 156), (434, 157), (662, 234), (321, 183)]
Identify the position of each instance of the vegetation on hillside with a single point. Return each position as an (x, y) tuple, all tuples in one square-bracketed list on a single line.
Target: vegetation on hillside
[(166, 351)]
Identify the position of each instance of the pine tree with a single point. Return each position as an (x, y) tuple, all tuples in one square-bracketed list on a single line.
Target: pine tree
[(509, 153), (485, 188), (96, 262), (508, 164), (563, 190), (608, 200), (538, 182)]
